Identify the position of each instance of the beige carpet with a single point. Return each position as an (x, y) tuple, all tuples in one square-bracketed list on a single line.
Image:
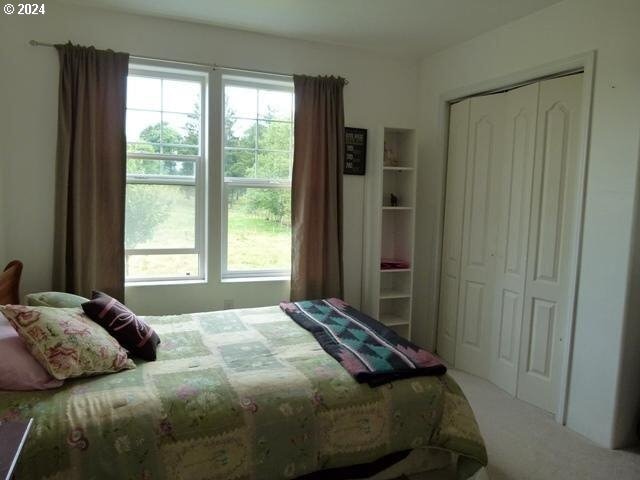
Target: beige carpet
[(525, 443)]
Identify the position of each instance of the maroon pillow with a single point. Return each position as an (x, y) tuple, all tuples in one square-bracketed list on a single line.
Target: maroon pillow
[(133, 333)]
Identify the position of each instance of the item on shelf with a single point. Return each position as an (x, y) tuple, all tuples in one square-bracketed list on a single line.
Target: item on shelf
[(390, 157), (393, 200), (394, 264)]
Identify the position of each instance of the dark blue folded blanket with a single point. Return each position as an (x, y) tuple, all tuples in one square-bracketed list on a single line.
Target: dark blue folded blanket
[(367, 349)]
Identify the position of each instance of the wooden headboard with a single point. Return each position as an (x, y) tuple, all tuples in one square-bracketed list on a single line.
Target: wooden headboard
[(10, 283)]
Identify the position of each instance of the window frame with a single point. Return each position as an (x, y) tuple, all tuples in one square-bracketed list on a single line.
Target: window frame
[(256, 81), (176, 71)]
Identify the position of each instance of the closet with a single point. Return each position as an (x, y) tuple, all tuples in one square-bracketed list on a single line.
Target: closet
[(509, 235)]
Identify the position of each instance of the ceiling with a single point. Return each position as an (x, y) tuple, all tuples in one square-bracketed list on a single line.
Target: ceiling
[(406, 28)]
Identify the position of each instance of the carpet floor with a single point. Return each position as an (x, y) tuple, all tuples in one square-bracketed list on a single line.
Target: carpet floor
[(525, 443)]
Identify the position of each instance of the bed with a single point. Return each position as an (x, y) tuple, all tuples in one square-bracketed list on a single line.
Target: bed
[(242, 394)]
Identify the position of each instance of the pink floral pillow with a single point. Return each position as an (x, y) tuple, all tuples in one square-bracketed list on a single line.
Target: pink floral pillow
[(18, 369), (66, 342)]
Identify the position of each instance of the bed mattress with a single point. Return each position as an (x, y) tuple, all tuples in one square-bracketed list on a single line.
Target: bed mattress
[(237, 394)]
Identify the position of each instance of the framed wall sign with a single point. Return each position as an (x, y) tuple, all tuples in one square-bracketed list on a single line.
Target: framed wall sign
[(355, 144)]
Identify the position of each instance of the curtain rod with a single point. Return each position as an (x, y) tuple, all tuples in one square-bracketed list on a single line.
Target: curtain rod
[(213, 66), (564, 73)]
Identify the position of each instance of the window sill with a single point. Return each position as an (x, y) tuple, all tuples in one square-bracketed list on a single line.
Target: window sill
[(152, 283), (274, 278)]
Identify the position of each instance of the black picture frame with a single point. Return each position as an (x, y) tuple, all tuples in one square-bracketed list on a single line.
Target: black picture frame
[(355, 151)]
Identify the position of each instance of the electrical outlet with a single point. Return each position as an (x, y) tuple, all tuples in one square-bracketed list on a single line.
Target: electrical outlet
[(228, 304)]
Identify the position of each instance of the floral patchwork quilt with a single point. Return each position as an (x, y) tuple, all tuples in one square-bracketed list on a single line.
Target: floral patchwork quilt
[(236, 394)]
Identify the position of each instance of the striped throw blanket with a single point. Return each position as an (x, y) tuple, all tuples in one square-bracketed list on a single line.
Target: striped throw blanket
[(368, 350)]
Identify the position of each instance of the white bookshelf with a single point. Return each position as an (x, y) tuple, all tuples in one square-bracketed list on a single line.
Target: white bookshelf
[(388, 293)]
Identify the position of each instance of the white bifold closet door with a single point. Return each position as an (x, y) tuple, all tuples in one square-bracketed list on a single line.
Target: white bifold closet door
[(513, 185), (477, 273), (509, 230), (552, 239), (452, 248)]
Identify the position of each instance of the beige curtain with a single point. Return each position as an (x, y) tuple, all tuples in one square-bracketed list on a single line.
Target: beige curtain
[(90, 171), (316, 202)]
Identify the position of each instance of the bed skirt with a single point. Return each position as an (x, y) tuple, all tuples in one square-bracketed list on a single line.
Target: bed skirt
[(428, 464)]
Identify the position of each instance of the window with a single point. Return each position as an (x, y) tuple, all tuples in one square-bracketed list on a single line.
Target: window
[(165, 204), (257, 144)]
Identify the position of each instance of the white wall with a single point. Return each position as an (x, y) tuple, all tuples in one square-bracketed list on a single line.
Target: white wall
[(4, 157), (3, 228), (3, 249), (3, 214), (380, 91), (603, 401)]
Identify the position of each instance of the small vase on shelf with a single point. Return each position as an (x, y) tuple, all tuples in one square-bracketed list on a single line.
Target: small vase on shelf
[(390, 157)]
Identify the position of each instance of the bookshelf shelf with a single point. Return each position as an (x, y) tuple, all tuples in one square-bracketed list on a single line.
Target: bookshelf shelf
[(393, 321), (397, 168), (389, 294)]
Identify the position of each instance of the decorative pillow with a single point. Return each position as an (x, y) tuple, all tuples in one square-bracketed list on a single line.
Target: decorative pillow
[(66, 342), (132, 332), (55, 299), (18, 369)]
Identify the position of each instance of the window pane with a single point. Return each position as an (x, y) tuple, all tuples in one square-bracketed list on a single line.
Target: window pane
[(240, 102), (258, 229), (159, 266), (139, 166), (160, 216), (181, 96), (239, 133), (143, 127), (180, 129), (143, 93), (239, 163), (273, 165), (275, 105), (274, 135)]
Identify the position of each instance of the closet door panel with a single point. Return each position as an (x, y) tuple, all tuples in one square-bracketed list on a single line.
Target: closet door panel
[(486, 123), (452, 233), (483, 148), (549, 222), (514, 193), (551, 239)]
